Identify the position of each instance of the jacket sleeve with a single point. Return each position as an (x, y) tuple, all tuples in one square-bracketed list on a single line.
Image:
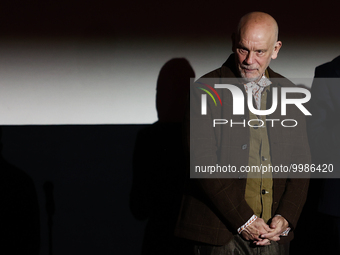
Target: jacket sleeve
[(224, 195), (295, 188)]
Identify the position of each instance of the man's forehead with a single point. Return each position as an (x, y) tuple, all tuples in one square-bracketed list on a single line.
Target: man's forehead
[(257, 30), (244, 42), (250, 45), (257, 35)]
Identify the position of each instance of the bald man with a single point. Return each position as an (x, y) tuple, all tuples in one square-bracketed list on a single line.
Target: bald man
[(255, 44), (251, 214)]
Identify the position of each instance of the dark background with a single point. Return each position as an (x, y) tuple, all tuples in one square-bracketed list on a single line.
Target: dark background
[(91, 18), (90, 166)]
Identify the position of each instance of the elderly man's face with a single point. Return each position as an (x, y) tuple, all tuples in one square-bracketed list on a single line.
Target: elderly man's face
[(254, 48)]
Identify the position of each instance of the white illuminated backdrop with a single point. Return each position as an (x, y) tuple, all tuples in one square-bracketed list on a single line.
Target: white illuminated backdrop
[(113, 81)]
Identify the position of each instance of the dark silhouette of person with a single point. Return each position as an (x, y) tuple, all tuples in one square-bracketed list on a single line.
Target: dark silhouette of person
[(19, 213), (159, 162), (324, 140)]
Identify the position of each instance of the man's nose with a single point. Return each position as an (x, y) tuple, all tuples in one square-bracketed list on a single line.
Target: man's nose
[(250, 58)]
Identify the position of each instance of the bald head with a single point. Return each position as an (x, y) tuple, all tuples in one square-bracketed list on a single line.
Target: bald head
[(255, 44), (258, 22)]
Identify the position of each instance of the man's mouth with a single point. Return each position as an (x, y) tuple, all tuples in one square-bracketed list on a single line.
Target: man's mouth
[(249, 70)]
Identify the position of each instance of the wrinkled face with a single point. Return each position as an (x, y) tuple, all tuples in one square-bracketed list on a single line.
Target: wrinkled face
[(254, 48)]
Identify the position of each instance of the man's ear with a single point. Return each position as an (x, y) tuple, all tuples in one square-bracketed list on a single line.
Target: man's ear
[(233, 43), (277, 47)]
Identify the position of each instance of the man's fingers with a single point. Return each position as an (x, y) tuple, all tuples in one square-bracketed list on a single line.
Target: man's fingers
[(256, 238), (263, 242), (248, 236), (274, 222), (275, 238), (263, 227), (272, 225), (271, 234), (262, 234), (267, 228)]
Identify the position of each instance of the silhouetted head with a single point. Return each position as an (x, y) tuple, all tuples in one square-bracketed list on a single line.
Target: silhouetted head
[(255, 44), (173, 86)]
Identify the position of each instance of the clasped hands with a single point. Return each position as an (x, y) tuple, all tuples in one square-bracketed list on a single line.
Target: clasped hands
[(262, 234)]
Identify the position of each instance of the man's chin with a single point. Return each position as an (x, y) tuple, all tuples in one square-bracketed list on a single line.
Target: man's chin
[(250, 79)]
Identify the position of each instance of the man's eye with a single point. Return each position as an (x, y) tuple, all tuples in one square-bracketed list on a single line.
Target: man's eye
[(260, 52)]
